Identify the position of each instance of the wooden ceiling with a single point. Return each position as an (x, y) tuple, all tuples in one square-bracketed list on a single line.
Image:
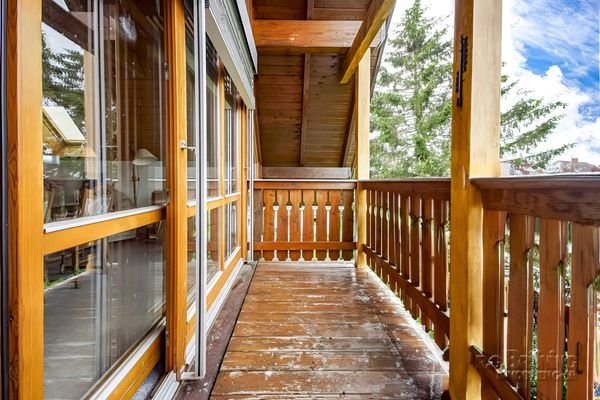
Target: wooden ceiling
[(304, 46)]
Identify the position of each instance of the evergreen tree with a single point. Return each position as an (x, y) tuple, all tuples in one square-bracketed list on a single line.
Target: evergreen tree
[(412, 107)]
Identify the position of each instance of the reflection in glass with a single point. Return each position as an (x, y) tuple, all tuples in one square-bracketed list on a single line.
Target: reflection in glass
[(191, 250), (213, 232), (212, 119), (190, 98), (100, 299), (231, 136), (89, 170), (231, 228)]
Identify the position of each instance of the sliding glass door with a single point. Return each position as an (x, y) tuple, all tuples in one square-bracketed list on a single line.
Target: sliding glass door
[(104, 186)]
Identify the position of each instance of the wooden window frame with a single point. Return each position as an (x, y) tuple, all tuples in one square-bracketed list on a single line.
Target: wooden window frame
[(30, 240)]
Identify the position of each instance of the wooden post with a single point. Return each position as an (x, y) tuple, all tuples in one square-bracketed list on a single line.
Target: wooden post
[(25, 200), (177, 184), (475, 152), (362, 105)]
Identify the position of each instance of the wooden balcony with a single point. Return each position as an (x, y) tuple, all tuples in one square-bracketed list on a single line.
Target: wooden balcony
[(314, 325)]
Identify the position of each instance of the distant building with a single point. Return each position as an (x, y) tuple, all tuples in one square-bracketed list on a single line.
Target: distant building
[(559, 167), (573, 166)]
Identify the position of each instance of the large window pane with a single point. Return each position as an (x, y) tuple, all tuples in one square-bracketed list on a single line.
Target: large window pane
[(231, 136), (100, 299), (191, 270), (190, 98), (212, 119), (70, 129), (134, 97), (98, 162), (231, 228), (213, 230)]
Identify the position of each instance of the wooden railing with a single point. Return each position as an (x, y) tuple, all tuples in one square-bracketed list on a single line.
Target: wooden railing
[(304, 220), (540, 270), (407, 246)]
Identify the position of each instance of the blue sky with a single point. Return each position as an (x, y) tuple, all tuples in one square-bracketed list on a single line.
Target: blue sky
[(552, 47), (565, 33)]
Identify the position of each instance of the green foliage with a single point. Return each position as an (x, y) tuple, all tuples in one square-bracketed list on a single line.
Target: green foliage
[(411, 109), (63, 81)]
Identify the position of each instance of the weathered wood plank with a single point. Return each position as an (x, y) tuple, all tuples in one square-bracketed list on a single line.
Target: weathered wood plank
[(315, 332)]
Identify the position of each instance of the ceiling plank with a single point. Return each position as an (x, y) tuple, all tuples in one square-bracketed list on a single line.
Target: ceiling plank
[(378, 12), (304, 35)]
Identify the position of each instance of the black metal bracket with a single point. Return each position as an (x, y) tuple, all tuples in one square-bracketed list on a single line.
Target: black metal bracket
[(462, 68)]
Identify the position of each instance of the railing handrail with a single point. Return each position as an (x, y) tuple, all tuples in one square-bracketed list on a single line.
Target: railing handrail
[(427, 188), (563, 197), (539, 182), (317, 184)]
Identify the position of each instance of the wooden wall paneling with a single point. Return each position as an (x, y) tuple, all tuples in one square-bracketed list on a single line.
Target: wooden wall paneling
[(362, 129), (520, 301), (349, 137), (25, 200), (494, 225), (305, 105), (475, 152), (348, 221), (176, 271), (583, 314), (427, 255), (335, 198), (551, 312)]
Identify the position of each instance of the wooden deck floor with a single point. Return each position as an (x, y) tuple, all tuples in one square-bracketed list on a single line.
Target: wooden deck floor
[(326, 331)]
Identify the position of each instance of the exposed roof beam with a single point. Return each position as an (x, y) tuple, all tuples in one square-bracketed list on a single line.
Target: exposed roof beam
[(305, 90), (378, 12), (305, 36)]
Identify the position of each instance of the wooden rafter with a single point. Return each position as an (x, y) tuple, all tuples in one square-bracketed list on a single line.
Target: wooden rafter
[(305, 36), (378, 12)]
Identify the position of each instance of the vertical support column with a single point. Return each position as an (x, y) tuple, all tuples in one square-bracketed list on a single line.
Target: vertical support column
[(475, 152), (177, 186), (362, 111), (25, 200)]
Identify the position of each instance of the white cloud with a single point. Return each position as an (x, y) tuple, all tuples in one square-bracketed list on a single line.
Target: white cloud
[(571, 35)]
